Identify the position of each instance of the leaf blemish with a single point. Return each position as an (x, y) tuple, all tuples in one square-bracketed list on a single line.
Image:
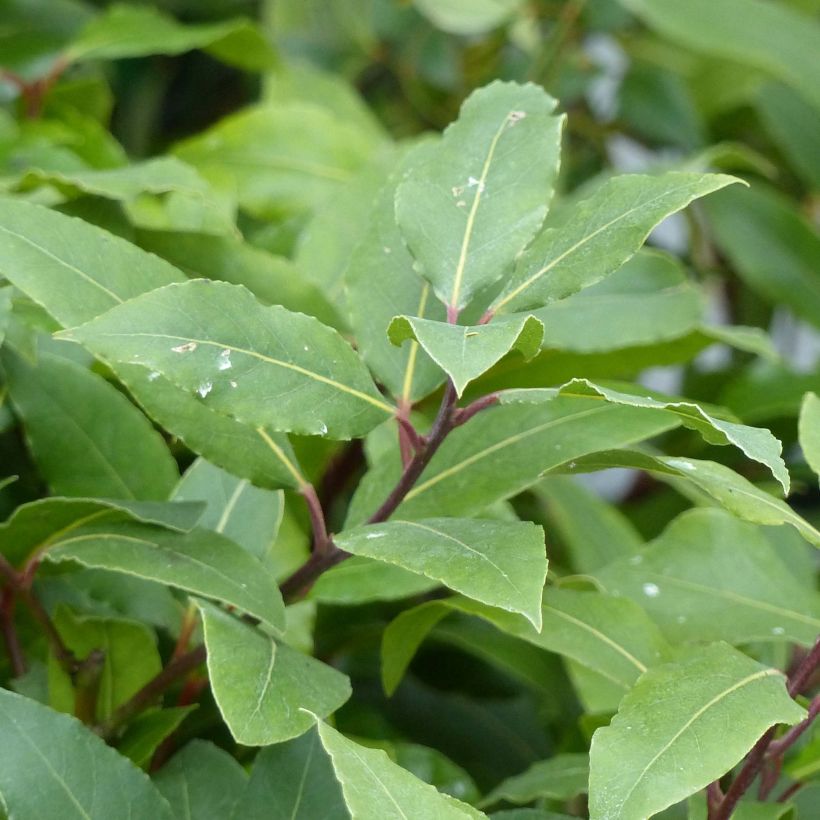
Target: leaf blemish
[(224, 360), (188, 347), (651, 590), (205, 388)]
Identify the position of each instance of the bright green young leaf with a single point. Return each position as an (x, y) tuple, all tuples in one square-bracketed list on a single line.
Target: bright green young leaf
[(503, 564), (202, 562), (75, 270), (201, 782), (285, 158), (86, 437), (760, 232), (375, 788), (144, 734), (265, 691), (560, 778), (757, 33), (38, 777), (670, 739), (264, 366), (380, 283), (474, 202), (293, 781), (467, 17), (131, 31), (130, 660), (506, 449), (809, 430), (248, 515), (583, 244), (361, 580), (593, 531), (464, 353), (710, 576)]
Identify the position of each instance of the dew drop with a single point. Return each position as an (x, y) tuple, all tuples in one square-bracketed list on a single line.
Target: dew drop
[(651, 590), (322, 429), (224, 360), (204, 389), (371, 535), (188, 347), (387, 250), (153, 375), (232, 383), (778, 630)]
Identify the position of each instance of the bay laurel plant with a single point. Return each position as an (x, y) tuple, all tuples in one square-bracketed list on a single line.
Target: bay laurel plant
[(173, 648)]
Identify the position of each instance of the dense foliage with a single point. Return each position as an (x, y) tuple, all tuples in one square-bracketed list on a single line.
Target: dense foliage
[(356, 470)]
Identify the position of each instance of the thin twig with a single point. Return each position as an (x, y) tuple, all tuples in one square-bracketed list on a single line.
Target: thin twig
[(65, 657), (17, 659), (321, 540), (780, 746), (463, 415)]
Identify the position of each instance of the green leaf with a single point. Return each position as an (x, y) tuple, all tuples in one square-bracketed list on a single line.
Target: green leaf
[(201, 782), (809, 431), (474, 202), (464, 353), (670, 739), (285, 158), (248, 515), (560, 778), (265, 366), (143, 735), (5, 311), (381, 283), (504, 450), (263, 688), (763, 35), (76, 271), (131, 31), (581, 245), (130, 660), (467, 17), (503, 564), (375, 788), (201, 562), (86, 437), (760, 231), (362, 580), (756, 443), (260, 455), (39, 778), (712, 577), (293, 781)]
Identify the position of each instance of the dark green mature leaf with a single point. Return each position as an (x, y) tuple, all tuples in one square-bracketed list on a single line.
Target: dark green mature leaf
[(765, 35), (754, 442), (579, 246), (76, 271), (201, 782), (772, 247), (266, 692), (464, 353), (375, 788), (809, 431), (247, 515), (264, 366), (670, 739), (560, 778), (474, 202), (38, 777), (361, 580), (144, 734), (499, 563), (131, 31), (710, 576), (86, 437), (293, 781), (506, 449), (201, 562)]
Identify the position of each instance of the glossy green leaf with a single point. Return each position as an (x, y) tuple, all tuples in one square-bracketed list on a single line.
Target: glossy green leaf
[(464, 353), (503, 564), (262, 688), (75, 270), (131, 31), (504, 450), (467, 17), (809, 430), (248, 515), (375, 788), (670, 739), (360, 580), (293, 781), (756, 33), (581, 245), (761, 232), (38, 778), (559, 778), (201, 782), (86, 437), (474, 202), (264, 366), (710, 576), (201, 562)]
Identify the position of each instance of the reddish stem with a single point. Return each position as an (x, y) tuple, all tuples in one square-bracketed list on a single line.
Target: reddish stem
[(8, 602)]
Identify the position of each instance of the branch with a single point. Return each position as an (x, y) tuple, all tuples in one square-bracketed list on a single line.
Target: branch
[(12, 640), (779, 747), (321, 540), (65, 657)]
